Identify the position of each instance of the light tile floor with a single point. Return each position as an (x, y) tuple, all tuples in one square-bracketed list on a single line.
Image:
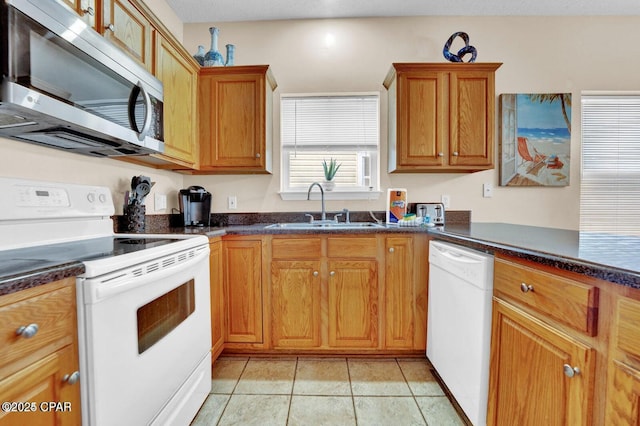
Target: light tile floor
[(325, 391)]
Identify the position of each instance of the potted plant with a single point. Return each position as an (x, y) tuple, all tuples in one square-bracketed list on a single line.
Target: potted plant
[(330, 170)]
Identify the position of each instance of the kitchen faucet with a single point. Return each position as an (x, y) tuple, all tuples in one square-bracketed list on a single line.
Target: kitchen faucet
[(324, 215)]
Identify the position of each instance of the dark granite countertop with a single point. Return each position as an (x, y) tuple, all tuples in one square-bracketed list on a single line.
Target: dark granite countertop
[(609, 257)]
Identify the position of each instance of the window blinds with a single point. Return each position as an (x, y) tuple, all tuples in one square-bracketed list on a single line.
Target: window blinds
[(610, 184)]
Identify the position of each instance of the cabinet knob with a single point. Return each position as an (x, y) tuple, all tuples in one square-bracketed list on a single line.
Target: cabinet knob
[(111, 28), (455, 153), (570, 371), (526, 288), (332, 273), (72, 378), (258, 155), (89, 11), (441, 154), (27, 331), (315, 273), (391, 249)]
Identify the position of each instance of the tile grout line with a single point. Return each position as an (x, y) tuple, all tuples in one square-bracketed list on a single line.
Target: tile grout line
[(353, 400), (413, 395), (232, 391), (293, 383)]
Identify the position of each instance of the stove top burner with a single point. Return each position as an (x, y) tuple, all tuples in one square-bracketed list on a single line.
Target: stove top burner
[(18, 261)]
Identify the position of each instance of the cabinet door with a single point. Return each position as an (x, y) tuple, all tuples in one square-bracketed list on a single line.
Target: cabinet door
[(471, 116), (243, 290), (217, 298), (353, 303), (295, 303), (126, 27), (180, 80), (623, 398), (86, 9), (421, 114), (399, 297), (42, 382), (232, 120), (528, 385)]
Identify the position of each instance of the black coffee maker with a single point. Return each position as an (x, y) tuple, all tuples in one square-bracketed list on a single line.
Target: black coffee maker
[(195, 206)]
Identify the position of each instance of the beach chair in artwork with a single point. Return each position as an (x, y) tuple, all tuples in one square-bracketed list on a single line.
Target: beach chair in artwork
[(536, 161)]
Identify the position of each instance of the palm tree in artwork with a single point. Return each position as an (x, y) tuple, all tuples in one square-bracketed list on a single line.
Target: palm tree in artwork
[(563, 98)]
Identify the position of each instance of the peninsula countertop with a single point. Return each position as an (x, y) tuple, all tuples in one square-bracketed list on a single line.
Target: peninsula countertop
[(608, 257)]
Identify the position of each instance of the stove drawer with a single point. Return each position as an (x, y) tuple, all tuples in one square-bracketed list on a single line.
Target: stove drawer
[(53, 312)]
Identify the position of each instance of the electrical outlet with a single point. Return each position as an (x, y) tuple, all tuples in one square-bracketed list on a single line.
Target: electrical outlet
[(233, 202), (487, 190), (446, 201), (160, 202)]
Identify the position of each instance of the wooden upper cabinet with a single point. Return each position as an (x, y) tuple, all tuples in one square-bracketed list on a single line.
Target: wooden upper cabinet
[(86, 9), (126, 27), (441, 117), (179, 75), (235, 116)]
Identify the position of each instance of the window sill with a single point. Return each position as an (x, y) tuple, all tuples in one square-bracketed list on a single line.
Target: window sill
[(330, 195)]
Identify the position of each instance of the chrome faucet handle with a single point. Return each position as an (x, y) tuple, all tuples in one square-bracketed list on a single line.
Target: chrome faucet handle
[(336, 216), (347, 219), (310, 217)]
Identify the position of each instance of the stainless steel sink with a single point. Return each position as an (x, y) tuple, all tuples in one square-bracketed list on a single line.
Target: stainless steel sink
[(324, 225)]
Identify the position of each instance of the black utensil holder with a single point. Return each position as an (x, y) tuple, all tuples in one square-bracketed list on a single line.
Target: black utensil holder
[(134, 215)]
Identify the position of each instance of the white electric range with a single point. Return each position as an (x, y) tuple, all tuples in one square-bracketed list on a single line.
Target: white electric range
[(143, 301)]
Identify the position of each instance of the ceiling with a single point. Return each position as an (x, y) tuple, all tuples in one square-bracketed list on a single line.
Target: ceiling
[(192, 11)]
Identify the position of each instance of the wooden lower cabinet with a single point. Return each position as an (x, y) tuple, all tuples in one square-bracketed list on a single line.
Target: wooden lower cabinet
[(348, 293), (623, 391), (242, 266), (41, 369), (217, 297), (352, 295), (295, 303), (530, 367)]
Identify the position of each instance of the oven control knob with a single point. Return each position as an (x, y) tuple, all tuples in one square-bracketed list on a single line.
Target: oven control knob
[(91, 197), (102, 198)]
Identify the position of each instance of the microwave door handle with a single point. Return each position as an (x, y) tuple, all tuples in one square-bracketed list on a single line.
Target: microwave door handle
[(139, 88)]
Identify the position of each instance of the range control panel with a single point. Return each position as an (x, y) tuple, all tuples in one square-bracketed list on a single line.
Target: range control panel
[(26, 199)]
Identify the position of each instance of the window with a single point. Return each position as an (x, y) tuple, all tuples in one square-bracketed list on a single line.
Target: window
[(610, 185), (344, 127)]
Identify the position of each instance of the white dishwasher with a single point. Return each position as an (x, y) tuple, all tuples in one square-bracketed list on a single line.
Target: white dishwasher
[(459, 323)]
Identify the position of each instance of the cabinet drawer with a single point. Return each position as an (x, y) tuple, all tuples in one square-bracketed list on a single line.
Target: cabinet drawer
[(352, 247), (296, 248), (54, 314), (627, 330), (563, 299)]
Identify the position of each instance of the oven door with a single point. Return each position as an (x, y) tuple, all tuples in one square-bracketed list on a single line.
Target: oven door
[(143, 332)]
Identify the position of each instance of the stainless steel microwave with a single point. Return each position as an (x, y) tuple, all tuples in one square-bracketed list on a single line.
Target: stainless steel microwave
[(64, 86)]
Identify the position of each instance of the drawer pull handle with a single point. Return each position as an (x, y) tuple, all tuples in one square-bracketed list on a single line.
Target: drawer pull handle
[(332, 273), (526, 288), (315, 273), (89, 11), (111, 28), (391, 249), (570, 371), (27, 331), (72, 378)]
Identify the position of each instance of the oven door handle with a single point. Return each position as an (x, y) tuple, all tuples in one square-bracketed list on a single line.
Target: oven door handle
[(128, 279)]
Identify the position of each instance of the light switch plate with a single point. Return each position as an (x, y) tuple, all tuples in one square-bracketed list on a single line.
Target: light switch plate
[(160, 202)]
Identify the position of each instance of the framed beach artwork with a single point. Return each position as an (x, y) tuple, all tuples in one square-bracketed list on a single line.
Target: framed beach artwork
[(535, 139)]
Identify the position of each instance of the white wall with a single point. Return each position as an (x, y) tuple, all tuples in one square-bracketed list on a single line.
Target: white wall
[(540, 55)]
